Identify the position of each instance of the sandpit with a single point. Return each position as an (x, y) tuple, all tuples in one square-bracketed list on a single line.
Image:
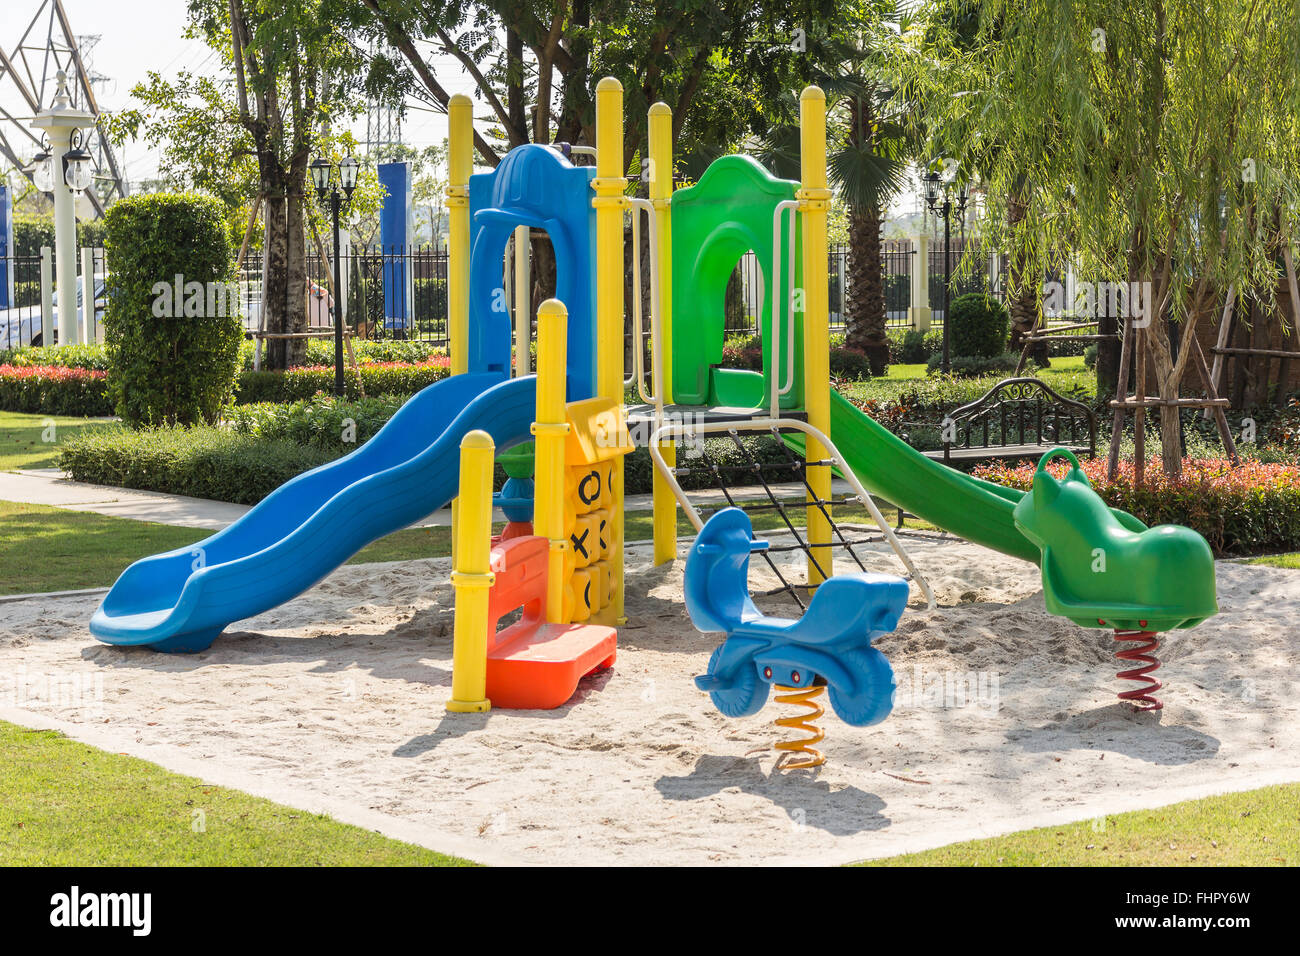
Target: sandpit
[(1006, 718)]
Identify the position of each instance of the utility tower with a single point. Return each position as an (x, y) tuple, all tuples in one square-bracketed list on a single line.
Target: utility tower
[(29, 63)]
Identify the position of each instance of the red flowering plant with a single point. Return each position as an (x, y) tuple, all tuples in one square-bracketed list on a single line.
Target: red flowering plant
[(54, 390), (1251, 508)]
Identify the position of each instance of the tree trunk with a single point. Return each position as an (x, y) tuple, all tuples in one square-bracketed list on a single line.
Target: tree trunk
[(865, 309), (275, 279), (1024, 301), (296, 298)]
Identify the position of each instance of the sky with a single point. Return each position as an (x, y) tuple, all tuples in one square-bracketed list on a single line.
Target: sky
[(140, 36)]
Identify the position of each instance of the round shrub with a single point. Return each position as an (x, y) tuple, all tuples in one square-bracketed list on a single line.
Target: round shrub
[(980, 325), (172, 352)]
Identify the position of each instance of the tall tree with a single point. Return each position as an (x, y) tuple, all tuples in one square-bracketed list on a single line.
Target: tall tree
[(870, 143), (1151, 132), (294, 72)]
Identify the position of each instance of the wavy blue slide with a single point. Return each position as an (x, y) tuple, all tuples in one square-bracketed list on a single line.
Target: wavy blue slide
[(180, 601)]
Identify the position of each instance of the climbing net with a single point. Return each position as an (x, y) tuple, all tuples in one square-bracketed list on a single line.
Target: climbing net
[(791, 468)]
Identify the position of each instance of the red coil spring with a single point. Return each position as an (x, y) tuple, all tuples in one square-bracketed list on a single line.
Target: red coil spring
[(1148, 641)]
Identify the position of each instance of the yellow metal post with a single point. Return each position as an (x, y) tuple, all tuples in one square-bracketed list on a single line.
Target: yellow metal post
[(523, 301), (661, 191), (609, 203), (814, 200), (472, 577), (550, 429), (460, 162)]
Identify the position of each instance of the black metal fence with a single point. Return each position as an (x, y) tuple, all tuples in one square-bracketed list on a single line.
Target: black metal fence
[(21, 322), (388, 293)]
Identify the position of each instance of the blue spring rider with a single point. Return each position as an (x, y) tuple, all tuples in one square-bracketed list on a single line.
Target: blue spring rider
[(830, 644)]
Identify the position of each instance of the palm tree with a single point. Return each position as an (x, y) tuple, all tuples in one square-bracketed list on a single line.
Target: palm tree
[(866, 162)]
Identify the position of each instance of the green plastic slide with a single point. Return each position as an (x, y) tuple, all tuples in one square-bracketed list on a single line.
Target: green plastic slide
[(1101, 566)]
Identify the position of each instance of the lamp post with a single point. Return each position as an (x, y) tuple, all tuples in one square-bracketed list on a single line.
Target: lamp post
[(939, 200), (63, 168), (322, 174)]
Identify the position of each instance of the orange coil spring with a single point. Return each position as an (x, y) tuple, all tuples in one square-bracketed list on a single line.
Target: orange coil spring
[(1148, 642), (800, 697)]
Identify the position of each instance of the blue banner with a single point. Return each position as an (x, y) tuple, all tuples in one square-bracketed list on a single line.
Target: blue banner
[(395, 237), (6, 249)]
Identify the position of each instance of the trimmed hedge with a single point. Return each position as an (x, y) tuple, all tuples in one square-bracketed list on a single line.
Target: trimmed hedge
[(203, 461), (377, 378), (1251, 509), (323, 421), (170, 362), (846, 364), (980, 326), (368, 351), (64, 356), (54, 390), (971, 366)]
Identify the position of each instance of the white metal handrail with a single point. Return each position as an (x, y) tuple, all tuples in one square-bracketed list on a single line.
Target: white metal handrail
[(655, 396), (777, 389), (679, 430)]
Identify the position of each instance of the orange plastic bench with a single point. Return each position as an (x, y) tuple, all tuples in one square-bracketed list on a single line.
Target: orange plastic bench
[(533, 665)]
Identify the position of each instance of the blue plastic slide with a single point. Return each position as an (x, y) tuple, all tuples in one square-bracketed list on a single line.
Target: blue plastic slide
[(180, 601)]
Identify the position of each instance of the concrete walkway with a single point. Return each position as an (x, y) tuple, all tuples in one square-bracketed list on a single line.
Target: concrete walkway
[(47, 486)]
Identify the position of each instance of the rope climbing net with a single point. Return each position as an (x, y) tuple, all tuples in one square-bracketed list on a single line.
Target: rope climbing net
[(774, 477)]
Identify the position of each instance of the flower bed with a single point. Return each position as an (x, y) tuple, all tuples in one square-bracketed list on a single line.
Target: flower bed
[(378, 378), (54, 390), (1251, 509)]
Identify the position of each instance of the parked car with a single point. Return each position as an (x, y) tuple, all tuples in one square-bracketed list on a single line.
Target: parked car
[(22, 326)]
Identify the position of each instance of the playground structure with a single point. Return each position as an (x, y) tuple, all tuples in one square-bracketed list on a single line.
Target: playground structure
[(563, 569)]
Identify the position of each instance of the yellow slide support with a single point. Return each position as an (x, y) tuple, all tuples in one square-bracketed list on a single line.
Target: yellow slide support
[(609, 203), (814, 200), (661, 191), (472, 577), (549, 430), (460, 163)]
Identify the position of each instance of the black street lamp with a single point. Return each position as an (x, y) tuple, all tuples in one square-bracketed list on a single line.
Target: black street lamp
[(939, 200), (328, 194)]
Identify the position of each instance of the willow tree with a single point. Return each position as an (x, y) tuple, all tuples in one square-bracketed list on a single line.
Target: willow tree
[(1158, 140)]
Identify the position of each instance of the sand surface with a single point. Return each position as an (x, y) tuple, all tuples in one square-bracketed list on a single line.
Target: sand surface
[(1006, 717)]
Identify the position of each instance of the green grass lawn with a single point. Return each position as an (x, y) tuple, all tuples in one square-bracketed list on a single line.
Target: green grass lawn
[(52, 549), (67, 804), (1255, 828), (32, 441), (1291, 560), (1067, 375)]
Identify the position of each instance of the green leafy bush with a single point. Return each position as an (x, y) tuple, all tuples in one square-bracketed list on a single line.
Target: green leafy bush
[(971, 366), (1251, 509), (54, 390), (1090, 356), (65, 356), (912, 346), (377, 378), (169, 368), (850, 365), (638, 468), (33, 231), (202, 461), (746, 352), (980, 325), (323, 421)]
